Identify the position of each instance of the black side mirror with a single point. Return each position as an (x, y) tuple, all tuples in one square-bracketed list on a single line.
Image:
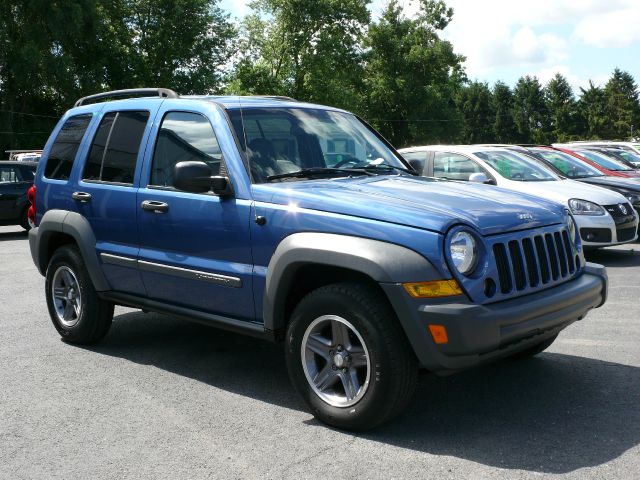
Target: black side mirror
[(196, 177), (417, 165)]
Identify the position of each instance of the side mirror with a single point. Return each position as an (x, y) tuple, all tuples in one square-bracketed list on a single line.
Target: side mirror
[(481, 178), (417, 165), (195, 177)]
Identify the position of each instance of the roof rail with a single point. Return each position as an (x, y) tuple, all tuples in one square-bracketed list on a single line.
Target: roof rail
[(146, 92), (276, 97)]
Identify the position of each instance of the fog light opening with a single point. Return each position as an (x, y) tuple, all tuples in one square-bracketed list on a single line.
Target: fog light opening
[(489, 287)]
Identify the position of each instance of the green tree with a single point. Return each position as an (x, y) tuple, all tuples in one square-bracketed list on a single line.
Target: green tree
[(412, 76), (622, 107), (530, 111), (592, 107), (183, 44), (306, 49), (504, 127), (562, 108), (475, 105), (51, 53)]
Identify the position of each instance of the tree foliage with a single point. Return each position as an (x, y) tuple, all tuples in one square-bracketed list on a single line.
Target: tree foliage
[(51, 53), (412, 75), (306, 49), (475, 106), (504, 126), (397, 72)]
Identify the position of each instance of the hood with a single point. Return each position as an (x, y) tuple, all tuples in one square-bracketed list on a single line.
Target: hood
[(417, 201), (562, 191), (616, 183)]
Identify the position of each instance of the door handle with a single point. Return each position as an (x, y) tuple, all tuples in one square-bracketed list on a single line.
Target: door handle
[(155, 206), (82, 197)]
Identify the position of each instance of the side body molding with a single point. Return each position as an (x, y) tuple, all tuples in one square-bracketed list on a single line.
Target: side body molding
[(76, 226), (383, 262)]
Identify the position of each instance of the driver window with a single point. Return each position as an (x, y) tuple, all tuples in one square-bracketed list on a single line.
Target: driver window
[(453, 166), (183, 137)]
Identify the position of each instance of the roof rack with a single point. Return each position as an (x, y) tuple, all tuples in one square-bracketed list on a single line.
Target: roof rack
[(146, 92), (276, 97)]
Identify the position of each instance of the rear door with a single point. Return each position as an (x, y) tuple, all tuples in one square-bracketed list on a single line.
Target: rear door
[(12, 187), (195, 247), (106, 190)]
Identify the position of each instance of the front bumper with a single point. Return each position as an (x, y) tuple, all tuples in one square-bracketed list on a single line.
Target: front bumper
[(480, 333), (603, 231)]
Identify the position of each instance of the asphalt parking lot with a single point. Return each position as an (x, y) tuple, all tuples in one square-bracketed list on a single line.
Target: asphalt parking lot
[(162, 398)]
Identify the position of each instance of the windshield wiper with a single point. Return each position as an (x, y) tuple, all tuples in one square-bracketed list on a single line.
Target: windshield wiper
[(309, 172), (388, 166)]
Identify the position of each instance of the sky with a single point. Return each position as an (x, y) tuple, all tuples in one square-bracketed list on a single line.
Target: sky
[(505, 39)]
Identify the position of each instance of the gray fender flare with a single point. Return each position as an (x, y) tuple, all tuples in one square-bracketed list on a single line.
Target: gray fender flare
[(381, 261), (77, 227)]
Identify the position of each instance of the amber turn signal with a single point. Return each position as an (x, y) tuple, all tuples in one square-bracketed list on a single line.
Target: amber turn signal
[(438, 288), (439, 334)]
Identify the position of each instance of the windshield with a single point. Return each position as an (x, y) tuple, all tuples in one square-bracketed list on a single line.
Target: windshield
[(516, 167), (281, 141), (569, 165), (630, 158), (603, 160)]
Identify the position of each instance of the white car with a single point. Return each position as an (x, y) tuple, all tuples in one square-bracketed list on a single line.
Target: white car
[(603, 217)]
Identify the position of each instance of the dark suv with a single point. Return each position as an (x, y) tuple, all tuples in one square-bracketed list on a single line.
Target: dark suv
[(300, 224), (15, 180)]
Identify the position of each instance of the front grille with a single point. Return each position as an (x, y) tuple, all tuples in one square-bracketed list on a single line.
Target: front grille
[(534, 261), (625, 234), (622, 213)]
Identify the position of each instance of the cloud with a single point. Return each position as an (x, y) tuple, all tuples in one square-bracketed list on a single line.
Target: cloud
[(613, 29)]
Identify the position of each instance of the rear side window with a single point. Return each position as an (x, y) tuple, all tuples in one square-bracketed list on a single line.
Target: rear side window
[(183, 137), (65, 147), (115, 147)]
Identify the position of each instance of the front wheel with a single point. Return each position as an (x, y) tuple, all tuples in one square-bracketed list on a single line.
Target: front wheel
[(349, 358)]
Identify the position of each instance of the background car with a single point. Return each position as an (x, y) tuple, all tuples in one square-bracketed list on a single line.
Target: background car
[(575, 169), (603, 162), (603, 217), (15, 180), (24, 155)]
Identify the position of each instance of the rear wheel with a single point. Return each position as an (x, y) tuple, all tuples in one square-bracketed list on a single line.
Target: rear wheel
[(24, 219), (349, 358), (77, 313)]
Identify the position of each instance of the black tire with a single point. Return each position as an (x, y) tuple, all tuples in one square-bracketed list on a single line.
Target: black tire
[(96, 315), (535, 350), (24, 220), (393, 365)]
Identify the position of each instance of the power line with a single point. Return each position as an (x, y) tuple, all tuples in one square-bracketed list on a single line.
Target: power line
[(28, 114), (22, 133)]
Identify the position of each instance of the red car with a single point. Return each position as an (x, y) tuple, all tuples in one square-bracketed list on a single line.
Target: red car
[(604, 163)]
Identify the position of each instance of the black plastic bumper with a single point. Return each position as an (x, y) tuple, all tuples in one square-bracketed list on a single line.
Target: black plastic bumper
[(480, 333)]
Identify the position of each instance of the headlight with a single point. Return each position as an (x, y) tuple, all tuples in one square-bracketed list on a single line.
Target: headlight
[(463, 252), (582, 207), (571, 223), (634, 198)]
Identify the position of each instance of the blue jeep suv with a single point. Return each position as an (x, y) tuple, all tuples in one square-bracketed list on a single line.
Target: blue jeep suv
[(300, 224)]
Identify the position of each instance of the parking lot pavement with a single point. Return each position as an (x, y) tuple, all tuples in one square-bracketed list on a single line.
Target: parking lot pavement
[(162, 398)]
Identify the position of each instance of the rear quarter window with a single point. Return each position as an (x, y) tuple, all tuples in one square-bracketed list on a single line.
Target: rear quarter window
[(65, 148)]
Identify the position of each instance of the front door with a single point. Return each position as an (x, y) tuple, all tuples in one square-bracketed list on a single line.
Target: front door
[(195, 247)]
